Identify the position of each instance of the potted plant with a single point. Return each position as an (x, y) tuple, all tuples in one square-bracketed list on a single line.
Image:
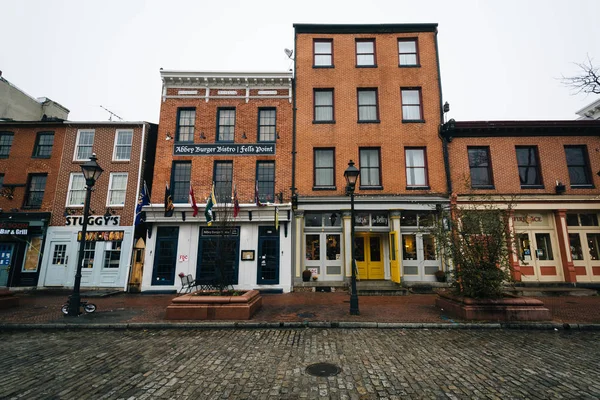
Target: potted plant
[(306, 274), (440, 275), (315, 277)]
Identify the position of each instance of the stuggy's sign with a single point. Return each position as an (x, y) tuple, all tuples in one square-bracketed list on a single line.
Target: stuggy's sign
[(94, 220)]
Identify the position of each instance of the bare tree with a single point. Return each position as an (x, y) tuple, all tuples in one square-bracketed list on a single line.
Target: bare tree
[(587, 81)]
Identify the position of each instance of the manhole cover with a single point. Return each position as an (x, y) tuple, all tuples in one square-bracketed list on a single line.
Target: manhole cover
[(306, 315), (323, 369)]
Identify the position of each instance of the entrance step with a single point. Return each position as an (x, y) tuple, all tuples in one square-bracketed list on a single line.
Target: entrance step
[(538, 291), (380, 288)]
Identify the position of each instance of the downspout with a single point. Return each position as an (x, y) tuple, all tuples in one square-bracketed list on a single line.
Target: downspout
[(294, 198), (137, 196), (442, 137)]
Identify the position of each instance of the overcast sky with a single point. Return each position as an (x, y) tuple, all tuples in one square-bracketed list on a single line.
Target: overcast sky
[(499, 59)]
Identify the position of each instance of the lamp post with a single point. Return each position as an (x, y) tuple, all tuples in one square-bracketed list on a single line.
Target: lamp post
[(351, 175), (91, 173)]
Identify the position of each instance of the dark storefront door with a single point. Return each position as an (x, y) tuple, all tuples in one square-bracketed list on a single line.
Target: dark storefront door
[(165, 259), (218, 256), (6, 253), (268, 256)]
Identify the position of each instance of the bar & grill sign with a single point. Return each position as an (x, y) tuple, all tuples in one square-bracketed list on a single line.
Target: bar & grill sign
[(14, 228)]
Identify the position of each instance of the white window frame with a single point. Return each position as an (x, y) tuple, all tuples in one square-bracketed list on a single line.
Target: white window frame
[(111, 189), (79, 131), (68, 203), (117, 133)]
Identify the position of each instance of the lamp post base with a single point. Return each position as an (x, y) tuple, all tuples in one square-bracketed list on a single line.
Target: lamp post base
[(354, 304), (74, 301)]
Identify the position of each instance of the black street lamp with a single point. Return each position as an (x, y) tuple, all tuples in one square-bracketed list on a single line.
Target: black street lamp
[(91, 173), (351, 175)]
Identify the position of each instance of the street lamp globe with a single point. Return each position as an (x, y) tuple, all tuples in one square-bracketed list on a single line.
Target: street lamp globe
[(91, 170), (351, 175)]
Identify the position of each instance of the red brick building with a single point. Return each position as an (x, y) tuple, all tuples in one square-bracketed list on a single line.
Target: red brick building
[(30, 157), (233, 129), (549, 172), (371, 94), (125, 151)]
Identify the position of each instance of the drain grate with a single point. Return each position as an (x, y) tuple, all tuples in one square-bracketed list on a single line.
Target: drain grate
[(323, 369), (306, 315)]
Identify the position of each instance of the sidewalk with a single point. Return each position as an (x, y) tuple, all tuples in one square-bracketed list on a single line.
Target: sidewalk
[(42, 309)]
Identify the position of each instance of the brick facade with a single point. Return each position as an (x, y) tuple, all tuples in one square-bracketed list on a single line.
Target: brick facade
[(246, 123), (346, 135)]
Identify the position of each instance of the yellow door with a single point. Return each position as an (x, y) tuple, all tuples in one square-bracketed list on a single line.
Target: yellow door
[(360, 251), (368, 253), (394, 265)]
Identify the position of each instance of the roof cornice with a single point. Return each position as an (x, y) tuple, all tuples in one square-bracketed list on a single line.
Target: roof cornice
[(365, 28), (453, 128)]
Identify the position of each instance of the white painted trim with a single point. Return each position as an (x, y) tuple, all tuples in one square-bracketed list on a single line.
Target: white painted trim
[(77, 143), (69, 190), (110, 188), (115, 145)]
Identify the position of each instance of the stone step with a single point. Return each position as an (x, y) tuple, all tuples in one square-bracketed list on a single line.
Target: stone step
[(380, 288)]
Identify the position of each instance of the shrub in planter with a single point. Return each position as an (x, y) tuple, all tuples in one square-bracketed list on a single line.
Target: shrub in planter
[(440, 275), (476, 242), (306, 275)]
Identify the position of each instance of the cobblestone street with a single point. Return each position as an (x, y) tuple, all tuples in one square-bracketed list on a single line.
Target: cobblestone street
[(259, 364)]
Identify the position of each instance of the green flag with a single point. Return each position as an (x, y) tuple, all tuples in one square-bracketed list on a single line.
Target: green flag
[(209, 205)]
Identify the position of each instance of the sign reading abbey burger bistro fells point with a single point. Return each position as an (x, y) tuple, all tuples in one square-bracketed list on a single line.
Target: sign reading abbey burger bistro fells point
[(230, 149)]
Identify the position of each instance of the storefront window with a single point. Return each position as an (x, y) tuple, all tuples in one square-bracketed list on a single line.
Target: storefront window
[(361, 219), (333, 247), (572, 220), (312, 247), (429, 248), (575, 244), (32, 255), (544, 246), (524, 247), (313, 219), (333, 219), (409, 244), (88, 254), (588, 219), (594, 245), (408, 219), (112, 254)]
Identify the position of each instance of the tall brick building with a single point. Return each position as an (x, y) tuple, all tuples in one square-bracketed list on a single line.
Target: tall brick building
[(233, 129), (548, 172), (125, 152), (371, 94)]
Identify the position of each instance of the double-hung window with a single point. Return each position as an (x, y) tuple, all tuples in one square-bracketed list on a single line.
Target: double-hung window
[(416, 167), (180, 181), (323, 105), (223, 178), (186, 120), (6, 139), (529, 167), (85, 141), (367, 105), (579, 166), (226, 124), (76, 195), (43, 145), (323, 53), (370, 171), (266, 124), (265, 180), (408, 53), (324, 168), (123, 140), (411, 105), (117, 189), (35, 191), (112, 254), (480, 166), (365, 53)]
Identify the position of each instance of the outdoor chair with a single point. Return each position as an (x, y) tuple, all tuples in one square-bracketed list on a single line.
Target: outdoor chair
[(187, 283)]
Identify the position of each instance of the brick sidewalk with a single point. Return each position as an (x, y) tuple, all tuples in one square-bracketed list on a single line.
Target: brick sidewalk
[(44, 307)]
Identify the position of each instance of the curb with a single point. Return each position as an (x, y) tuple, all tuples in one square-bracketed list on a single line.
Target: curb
[(304, 324)]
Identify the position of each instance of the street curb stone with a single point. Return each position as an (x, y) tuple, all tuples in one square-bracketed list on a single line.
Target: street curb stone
[(297, 325)]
